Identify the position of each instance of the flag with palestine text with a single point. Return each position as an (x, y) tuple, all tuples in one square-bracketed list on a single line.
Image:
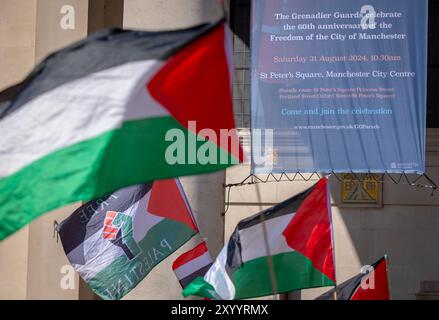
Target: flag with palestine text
[(115, 241)]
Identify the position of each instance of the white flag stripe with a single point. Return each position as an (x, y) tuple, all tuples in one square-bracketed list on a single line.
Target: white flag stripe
[(252, 239), (219, 279), (193, 265), (77, 111), (253, 247)]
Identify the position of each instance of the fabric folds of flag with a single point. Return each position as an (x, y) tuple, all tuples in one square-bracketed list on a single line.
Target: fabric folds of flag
[(115, 241), (281, 249), (192, 264), (107, 112), (373, 284)]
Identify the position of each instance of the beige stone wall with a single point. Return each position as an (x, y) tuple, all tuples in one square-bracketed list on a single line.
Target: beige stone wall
[(13, 266), (17, 56), (46, 257), (49, 34), (17, 39), (165, 14)]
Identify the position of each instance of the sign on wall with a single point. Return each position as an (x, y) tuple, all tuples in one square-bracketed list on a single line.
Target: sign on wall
[(363, 190), (339, 85)]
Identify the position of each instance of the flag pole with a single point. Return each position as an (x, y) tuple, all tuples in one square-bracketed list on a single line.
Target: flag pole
[(269, 258), (329, 204), (386, 259)]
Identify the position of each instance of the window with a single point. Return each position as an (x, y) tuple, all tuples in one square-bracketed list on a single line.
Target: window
[(433, 66), (240, 25)]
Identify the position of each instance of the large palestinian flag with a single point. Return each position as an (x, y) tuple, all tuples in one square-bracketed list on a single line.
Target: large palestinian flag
[(282, 249), (372, 284), (115, 241), (116, 109)]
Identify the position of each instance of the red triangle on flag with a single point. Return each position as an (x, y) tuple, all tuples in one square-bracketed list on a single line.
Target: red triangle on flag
[(195, 84), (167, 200), (375, 284), (310, 230)]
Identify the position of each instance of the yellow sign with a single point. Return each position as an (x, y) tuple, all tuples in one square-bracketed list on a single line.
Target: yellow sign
[(360, 188)]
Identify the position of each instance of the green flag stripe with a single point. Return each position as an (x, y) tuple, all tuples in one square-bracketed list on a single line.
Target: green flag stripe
[(199, 287), (293, 271)]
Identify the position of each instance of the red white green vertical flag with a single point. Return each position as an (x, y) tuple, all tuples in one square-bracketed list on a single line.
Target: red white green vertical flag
[(281, 249)]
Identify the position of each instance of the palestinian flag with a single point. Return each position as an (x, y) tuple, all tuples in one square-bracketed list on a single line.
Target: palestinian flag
[(282, 249), (115, 241), (116, 109), (192, 264), (373, 284)]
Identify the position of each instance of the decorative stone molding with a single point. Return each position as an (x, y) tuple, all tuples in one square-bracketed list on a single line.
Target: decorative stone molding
[(432, 144), (429, 291)]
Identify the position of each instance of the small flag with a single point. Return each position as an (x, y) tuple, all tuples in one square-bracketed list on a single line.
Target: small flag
[(113, 110), (115, 241), (191, 264), (371, 285), (281, 249)]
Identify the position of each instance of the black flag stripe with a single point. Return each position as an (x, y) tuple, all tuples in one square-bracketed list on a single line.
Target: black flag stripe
[(85, 57)]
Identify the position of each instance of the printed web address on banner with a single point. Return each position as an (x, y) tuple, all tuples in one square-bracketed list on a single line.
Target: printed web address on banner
[(339, 127)]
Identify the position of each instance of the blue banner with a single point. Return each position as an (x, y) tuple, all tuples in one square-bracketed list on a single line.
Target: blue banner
[(338, 85)]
